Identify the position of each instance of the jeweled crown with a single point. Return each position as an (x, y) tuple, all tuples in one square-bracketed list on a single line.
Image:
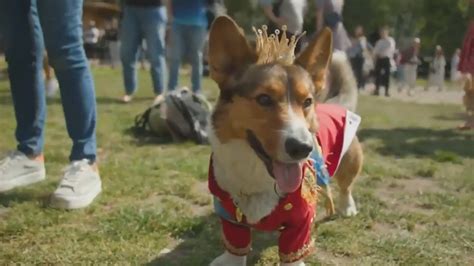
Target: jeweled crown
[(273, 48)]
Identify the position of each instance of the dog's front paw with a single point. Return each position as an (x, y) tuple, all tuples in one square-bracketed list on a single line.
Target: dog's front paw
[(228, 259), (346, 206)]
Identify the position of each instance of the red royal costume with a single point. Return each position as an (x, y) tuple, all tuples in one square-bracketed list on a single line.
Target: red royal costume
[(294, 214), (466, 65)]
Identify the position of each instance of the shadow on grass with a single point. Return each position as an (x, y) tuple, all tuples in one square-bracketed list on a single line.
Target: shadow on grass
[(142, 137), (425, 142), (202, 243), (451, 117), (6, 199)]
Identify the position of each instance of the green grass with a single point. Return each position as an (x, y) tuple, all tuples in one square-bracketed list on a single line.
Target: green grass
[(414, 195)]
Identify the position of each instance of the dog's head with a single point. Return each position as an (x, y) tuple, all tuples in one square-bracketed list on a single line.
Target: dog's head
[(271, 105)]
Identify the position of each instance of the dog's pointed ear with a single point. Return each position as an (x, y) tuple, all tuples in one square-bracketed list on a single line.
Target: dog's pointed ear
[(316, 57), (229, 51)]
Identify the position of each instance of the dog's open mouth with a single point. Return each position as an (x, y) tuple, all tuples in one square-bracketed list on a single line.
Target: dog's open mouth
[(288, 176)]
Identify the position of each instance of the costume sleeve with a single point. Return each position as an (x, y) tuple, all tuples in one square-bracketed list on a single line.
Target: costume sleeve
[(236, 238), (295, 240)]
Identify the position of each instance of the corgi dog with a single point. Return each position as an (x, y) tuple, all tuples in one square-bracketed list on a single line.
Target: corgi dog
[(264, 130)]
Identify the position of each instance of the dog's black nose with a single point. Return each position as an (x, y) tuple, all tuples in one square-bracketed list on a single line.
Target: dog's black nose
[(298, 149)]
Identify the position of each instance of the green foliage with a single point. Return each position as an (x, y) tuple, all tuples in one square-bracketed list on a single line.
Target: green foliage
[(442, 22)]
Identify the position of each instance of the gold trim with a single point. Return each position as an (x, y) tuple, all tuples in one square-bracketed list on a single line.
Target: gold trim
[(299, 254), (233, 250), (288, 206), (309, 189)]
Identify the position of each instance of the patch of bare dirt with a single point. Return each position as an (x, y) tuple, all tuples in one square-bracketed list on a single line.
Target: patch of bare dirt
[(328, 258), (402, 194), (196, 209)]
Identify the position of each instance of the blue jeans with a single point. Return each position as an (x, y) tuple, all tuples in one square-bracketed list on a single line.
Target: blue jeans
[(139, 23), (60, 23), (187, 40)]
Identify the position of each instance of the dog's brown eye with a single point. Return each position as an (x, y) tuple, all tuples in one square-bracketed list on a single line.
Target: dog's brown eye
[(307, 103), (264, 100)]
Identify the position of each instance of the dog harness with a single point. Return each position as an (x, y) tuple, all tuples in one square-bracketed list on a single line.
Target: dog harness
[(293, 216)]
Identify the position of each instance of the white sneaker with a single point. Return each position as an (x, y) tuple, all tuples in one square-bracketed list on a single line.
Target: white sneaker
[(52, 87), (158, 99), (78, 188), (17, 170), (127, 98)]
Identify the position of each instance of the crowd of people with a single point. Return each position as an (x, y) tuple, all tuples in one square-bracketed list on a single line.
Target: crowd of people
[(156, 30), (383, 60), (180, 29)]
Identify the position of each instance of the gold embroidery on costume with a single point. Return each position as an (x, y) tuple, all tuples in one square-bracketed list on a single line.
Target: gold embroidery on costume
[(309, 189), (238, 214), (288, 207), (299, 254), (233, 250)]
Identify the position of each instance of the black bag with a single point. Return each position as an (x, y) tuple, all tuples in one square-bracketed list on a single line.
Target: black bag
[(182, 114)]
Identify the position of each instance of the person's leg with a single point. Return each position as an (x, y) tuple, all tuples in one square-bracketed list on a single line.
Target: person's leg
[(129, 49), (378, 75), (153, 22), (196, 36), (386, 76), (176, 54), (24, 54), (62, 26), (358, 64), (410, 73)]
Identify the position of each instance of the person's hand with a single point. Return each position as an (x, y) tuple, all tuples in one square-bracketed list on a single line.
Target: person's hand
[(279, 21)]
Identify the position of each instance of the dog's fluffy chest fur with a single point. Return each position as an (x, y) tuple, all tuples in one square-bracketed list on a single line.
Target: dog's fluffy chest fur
[(243, 175)]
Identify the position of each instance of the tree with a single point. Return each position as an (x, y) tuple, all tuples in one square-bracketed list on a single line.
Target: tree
[(442, 22)]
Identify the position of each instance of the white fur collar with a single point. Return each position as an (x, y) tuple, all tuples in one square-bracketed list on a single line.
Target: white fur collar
[(240, 172)]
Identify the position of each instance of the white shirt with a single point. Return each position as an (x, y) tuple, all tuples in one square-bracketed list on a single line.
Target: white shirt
[(293, 12), (91, 35), (385, 48)]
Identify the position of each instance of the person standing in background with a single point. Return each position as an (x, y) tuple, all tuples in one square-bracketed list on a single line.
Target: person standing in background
[(437, 70), (113, 44), (383, 51), (29, 27), (357, 53), (91, 39), (329, 14), (455, 73), (409, 62), (143, 19), (188, 32), (285, 12)]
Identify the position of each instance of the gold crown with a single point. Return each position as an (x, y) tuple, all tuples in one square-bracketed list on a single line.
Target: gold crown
[(273, 48)]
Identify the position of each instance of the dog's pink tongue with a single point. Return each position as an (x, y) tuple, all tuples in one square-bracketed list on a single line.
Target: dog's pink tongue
[(287, 175)]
